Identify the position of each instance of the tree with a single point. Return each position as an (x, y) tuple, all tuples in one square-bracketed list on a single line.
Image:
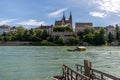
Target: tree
[(67, 28), (27, 36), (59, 29), (80, 35), (117, 32), (50, 39), (89, 38), (99, 38), (44, 42), (110, 37), (62, 29), (44, 34), (60, 41), (72, 41), (20, 33), (38, 35), (88, 30)]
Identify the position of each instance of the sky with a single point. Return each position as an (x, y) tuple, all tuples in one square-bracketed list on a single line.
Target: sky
[(36, 12)]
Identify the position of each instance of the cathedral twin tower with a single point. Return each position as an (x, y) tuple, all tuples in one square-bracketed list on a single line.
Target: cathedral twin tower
[(64, 22)]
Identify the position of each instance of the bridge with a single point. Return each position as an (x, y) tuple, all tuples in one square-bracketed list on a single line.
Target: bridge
[(85, 72)]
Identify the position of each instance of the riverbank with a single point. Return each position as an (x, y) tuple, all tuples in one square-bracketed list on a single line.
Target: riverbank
[(15, 43), (27, 43)]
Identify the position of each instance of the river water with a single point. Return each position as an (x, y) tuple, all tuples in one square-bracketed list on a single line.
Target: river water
[(41, 62)]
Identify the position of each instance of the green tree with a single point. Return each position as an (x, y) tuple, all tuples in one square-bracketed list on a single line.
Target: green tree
[(80, 35), (89, 38), (117, 32), (72, 41), (110, 37), (62, 29), (20, 33), (38, 35), (99, 38), (59, 29), (88, 30), (60, 41), (67, 28), (27, 36), (44, 43), (44, 34)]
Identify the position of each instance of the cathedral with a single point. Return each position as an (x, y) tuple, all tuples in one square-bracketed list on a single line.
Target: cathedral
[(64, 22)]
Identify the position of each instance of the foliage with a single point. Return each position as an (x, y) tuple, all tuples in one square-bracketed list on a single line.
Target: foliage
[(99, 38), (117, 32), (89, 38), (44, 42), (110, 37), (80, 35), (60, 41), (88, 30), (44, 34), (41, 37), (62, 29), (72, 41)]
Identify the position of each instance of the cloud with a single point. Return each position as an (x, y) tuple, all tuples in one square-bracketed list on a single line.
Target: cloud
[(7, 21), (57, 13), (108, 5), (32, 22), (98, 14)]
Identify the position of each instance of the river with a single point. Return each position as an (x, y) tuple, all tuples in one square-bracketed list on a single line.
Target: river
[(41, 62)]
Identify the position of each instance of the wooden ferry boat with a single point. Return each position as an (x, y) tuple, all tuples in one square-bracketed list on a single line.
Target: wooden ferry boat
[(78, 48)]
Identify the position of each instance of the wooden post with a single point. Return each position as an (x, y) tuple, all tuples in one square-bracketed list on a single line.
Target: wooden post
[(87, 68)]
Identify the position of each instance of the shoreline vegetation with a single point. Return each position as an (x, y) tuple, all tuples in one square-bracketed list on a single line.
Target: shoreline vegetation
[(22, 43), (38, 37)]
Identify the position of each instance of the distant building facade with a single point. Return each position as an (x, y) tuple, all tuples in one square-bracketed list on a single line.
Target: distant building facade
[(49, 28), (82, 26), (64, 22), (4, 29), (110, 29), (65, 35)]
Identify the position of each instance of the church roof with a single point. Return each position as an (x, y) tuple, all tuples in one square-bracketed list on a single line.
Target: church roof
[(67, 21), (58, 22)]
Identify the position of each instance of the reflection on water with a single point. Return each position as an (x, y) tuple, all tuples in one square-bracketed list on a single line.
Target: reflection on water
[(41, 63)]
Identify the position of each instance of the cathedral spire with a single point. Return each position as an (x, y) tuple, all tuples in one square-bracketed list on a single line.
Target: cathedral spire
[(70, 19), (63, 16)]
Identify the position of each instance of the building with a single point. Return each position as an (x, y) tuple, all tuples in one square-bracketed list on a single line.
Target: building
[(65, 35), (82, 26), (49, 28), (4, 29), (64, 22), (98, 28), (110, 29)]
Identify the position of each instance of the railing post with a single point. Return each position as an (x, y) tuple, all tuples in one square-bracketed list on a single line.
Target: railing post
[(81, 70), (87, 68), (102, 76), (71, 74), (63, 72)]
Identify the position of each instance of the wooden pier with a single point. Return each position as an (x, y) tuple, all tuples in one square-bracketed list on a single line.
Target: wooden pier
[(85, 72)]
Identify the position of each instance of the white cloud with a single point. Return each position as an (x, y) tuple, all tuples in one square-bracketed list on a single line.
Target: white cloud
[(32, 22), (98, 14), (108, 5), (7, 21), (57, 13)]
